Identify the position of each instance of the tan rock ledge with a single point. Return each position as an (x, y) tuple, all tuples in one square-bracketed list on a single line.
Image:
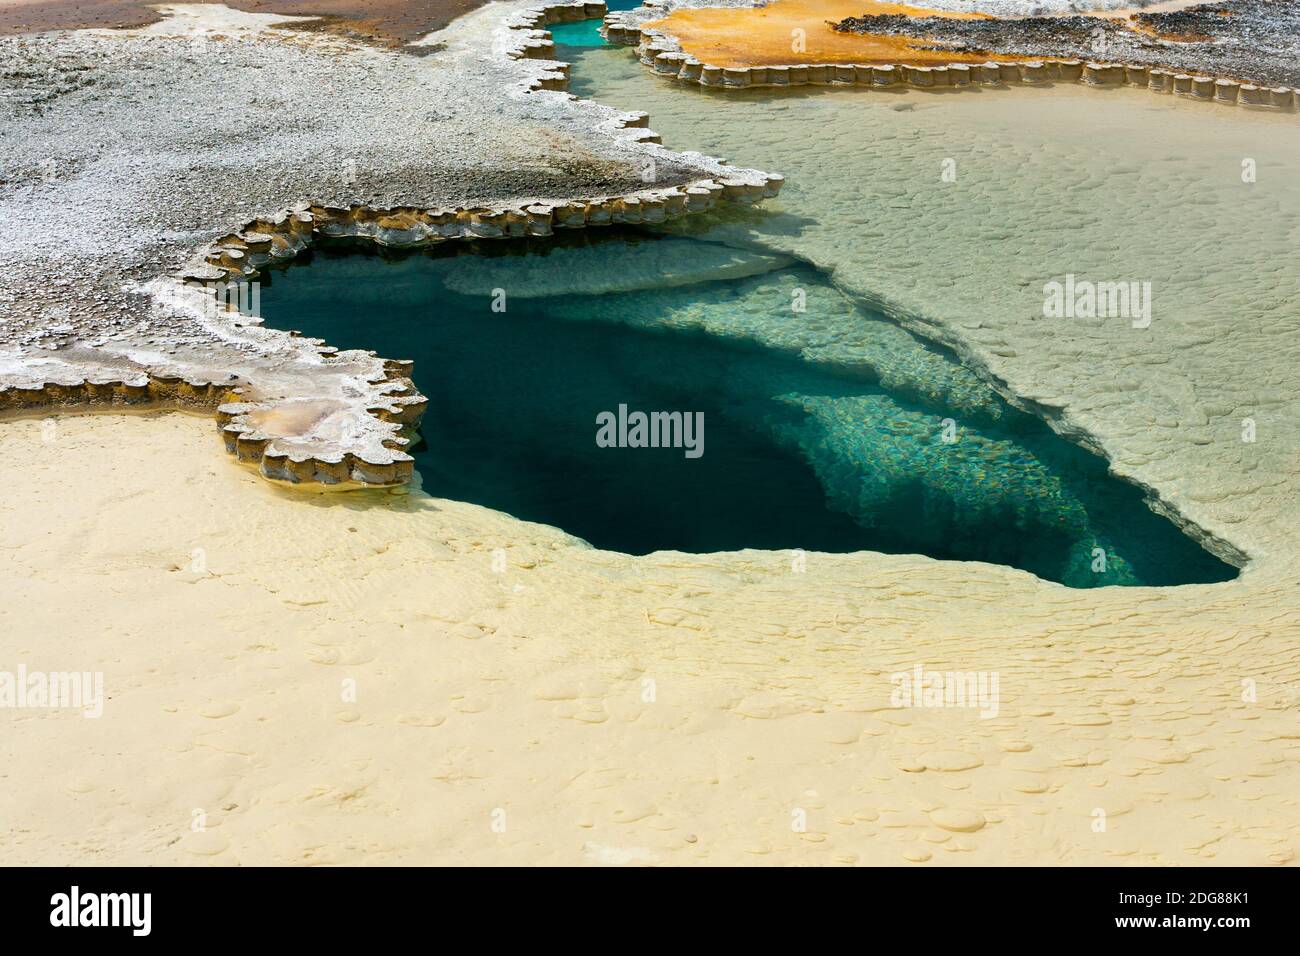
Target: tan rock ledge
[(109, 303)]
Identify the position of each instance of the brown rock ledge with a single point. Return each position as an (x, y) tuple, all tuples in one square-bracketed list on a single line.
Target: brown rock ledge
[(391, 22)]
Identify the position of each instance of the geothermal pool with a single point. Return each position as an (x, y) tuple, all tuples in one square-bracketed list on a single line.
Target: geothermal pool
[(824, 426), (849, 344)]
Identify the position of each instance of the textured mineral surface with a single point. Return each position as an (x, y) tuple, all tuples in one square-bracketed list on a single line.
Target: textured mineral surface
[(1253, 41)]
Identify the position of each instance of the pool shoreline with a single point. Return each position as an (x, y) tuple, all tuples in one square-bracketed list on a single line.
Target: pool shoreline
[(298, 408)]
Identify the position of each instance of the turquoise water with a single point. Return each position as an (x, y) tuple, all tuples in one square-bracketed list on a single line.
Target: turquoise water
[(825, 426), (586, 32), (581, 33)]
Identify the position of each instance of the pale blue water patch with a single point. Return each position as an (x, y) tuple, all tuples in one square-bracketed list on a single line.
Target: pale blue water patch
[(794, 309)]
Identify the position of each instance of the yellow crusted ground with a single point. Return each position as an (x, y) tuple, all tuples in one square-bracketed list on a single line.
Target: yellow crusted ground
[(749, 36), (768, 35), (347, 680)]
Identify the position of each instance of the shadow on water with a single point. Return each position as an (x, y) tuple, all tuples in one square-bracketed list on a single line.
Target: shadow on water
[(796, 454)]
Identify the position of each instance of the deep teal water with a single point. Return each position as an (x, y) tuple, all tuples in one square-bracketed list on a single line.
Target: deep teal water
[(581, 33), (586, 32), (825, 430)]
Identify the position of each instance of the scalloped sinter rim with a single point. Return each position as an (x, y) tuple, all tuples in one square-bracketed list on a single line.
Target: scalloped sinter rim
[(661, 52), (352, 434), (254, 432)]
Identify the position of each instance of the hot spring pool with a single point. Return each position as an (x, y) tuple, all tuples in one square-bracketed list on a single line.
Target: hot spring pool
[(825, 427)]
